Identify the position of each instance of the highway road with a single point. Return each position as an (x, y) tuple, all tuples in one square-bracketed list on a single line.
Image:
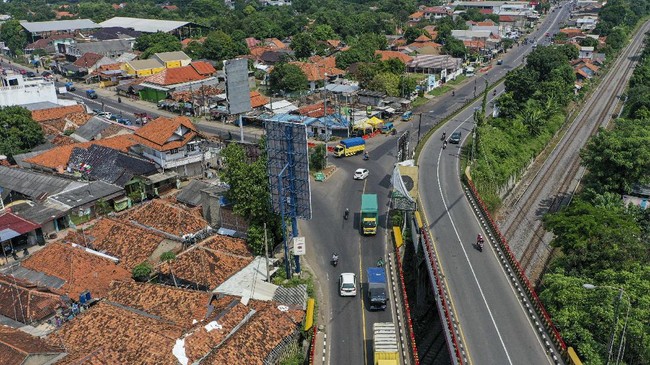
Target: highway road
[(497, 331)]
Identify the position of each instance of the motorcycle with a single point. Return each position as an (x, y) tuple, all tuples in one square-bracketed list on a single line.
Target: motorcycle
[(346, 214), (444, 135), (479, 244), (444, 145), (335, 260), (365, 157)]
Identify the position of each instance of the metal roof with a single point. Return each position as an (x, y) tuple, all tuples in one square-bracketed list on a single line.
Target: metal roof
[(90, 130), (33, 184), (143, 25), (58, 25), (32, 276), (87, 193)]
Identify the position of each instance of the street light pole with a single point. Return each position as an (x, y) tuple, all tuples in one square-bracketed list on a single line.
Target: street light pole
[(610, 349)]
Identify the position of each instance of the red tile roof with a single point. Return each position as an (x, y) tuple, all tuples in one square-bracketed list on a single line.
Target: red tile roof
[(486, 11), (486, 23), (108, 333), (422, 38), (167, 217), (506, 19), (315, 71), (268, 323), (474, 44), (44, 42), (80, 270), (164, 134), (203, 68), (572, 32), (275, 43), (258, 100), (251, 42), (43, 115), (227, 244), (15, 223), (387, 55), (334, 43), (207, 265), (122, 239), (185, 42), (16, 346), (25, 302), (416, 15), (57, 158), (316, 110), (88, 59)]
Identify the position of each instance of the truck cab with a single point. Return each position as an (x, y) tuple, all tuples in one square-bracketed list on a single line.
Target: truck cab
[(91, 94), (350, 146), (369, 214)]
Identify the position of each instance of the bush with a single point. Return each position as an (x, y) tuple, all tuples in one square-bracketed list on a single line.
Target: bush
[(142, 272)]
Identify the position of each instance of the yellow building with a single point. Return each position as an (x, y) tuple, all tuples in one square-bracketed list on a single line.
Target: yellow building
[(141, 68), (172, 59)]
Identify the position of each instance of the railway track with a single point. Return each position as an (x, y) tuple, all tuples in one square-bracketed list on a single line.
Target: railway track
[(553, 185)]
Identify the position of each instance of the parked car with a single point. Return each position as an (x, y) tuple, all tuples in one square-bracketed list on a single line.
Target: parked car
[(361, 174), (30, 74), (106, 115), (455, 137), (124, 121), (347, 284)]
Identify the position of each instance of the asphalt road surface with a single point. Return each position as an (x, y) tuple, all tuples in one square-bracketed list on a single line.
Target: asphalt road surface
[(496, 329)]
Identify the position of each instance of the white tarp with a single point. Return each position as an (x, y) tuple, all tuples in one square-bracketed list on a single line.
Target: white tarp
[(398, 182)]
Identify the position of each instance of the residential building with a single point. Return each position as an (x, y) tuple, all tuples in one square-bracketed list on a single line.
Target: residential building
[(171, 220), (20, 348), (172, 59), (387, 55), (319, 70), (81, 269), (445, 67), (50, 44), (112, 48), (141, 68), (174, 144), (19, 90), (436, 12), (89, 62), (193, 76), (586, 52), (16, 232), (24, 303)]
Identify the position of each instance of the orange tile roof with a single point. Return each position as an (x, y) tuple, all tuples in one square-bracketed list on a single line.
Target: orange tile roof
[(227, 244), (387, 55), (269, 323), (43, 115), (108, 333), (80, 270), (88, 59), (417, 14), (206, 265), (334, 42), (185, 42), (257, 51), (424, 44), (167, 217), (572, 32), (506, 19), (316, 110), (161, 133), (16, 346), (317, 71), (57, 158), (422, 38), (176, 75), (109, 67), (179, 306), (486, 23), (474, 44), (25, 302), (592, 67), (275, 43), (203, 68), (258, 100), (119, 238)]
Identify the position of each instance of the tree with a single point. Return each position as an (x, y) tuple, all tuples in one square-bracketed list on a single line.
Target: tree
[(386, 82), (195, 50), (454, 47), (318, 158), (303, 44), (411, 34), (14, 36), (157, 42), (532, 117), (324, 32), (142, 271), (570, 51), (619, 158), (19, 133), (521, 83), (588, 42), (545, 59), (220, 46), (287, 78), (393, 65), (97, 11)]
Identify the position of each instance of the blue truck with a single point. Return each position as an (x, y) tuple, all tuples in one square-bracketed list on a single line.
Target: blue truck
[(350, 146), (377, 297)]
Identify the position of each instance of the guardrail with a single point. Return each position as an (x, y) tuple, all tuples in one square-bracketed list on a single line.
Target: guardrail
[(451, 329), (500, 241), (407, 309)]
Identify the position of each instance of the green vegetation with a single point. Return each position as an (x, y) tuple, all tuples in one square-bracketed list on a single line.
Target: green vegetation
[(287, 78), (19, 133), (318, 158), (149, 44), (142, 271)]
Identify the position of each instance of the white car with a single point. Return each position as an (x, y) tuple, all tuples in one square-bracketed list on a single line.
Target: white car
[(361, 174), (348, 284)]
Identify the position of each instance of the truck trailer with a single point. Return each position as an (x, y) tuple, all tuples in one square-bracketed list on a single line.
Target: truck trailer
[(369, 214), (377, 297), (384, 343), (350, 146)]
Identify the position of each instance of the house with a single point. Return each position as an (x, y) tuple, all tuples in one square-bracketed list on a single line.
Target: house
[(368, 97), (142, 68), (97, 128), (20, 348), (161, 85), (319, 69), (18, 90), (445, 67), (174, 144), (169, 219), (17, 233), (208, 264), (89, 62), (172, 59), (25, 303), (586, 52), (584, 70), (387, 55), (471, 35), (112, 48), (81, 269), (436, 12), (49, 44), (416, 17), (131, 243), (587, 22)]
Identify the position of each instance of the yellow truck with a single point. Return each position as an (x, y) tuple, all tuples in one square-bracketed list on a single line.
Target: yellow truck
[(384, 343), (350, 146)]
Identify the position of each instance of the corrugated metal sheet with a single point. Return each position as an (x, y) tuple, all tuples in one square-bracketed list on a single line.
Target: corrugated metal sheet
[(59, 25)]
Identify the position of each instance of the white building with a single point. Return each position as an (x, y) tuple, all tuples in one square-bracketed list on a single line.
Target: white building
[(19, 90)]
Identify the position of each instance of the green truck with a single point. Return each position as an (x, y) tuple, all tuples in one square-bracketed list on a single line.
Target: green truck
[(384, 343), (369, 214)]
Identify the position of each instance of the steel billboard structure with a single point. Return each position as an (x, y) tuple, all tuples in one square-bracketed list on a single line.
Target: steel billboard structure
[(237, 89), (288, 171)]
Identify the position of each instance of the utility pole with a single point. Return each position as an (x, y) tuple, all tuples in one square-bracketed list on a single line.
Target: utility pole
[(266, 255)]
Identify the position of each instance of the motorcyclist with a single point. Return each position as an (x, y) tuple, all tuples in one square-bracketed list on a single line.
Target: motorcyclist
[(365, 156), (494, 93), (444, 135), (444, 144), (453, 93), (347, 213), (335, 258)]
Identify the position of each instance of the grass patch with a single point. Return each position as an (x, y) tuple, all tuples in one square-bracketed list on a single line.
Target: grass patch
[(440, 90), (457, 80), (419, 101)]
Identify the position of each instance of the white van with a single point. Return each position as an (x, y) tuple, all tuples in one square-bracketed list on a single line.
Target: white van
[(348, 284)]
